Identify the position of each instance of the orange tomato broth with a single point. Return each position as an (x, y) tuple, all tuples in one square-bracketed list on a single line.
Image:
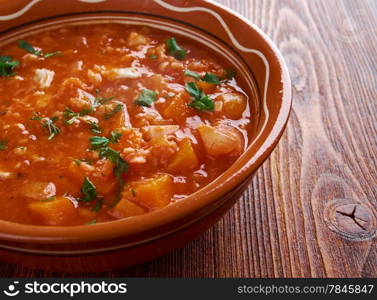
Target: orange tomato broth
[(171, 148)]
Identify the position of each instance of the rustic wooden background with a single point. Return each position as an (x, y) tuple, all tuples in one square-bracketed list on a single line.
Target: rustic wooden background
[(311, 208)]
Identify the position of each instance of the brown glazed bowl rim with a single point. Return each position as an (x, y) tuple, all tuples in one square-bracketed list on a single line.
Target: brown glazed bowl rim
[(248, 163)]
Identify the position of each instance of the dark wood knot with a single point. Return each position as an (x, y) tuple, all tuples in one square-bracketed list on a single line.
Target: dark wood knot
[(353, 221)]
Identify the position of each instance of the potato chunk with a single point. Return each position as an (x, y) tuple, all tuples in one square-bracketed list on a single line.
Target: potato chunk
[(185, 159), (59, 211), (153, 193), (177, 109), (234, 104), (38, 190), (126, 208), (221, 140)]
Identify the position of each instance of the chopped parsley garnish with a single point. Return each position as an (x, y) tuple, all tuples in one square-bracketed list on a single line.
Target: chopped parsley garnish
[(152, 56), (70, 116), (98, 142), (49, 124), (51, 54), (208, 77), (114, 137), (120, 165), (211, 78), (200, 100), (94, 221), (3, 145), (94, 127), (192, 74), (146, 98), (7, 65), (89, 191), (29, 48), (80, 161), (49, 199), (113, 112), (133, 192), (174, 49), (98, 101), (98, 205), (52, 128), (230, 73)]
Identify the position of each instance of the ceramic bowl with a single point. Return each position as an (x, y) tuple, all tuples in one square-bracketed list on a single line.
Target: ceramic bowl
[(262, 72)]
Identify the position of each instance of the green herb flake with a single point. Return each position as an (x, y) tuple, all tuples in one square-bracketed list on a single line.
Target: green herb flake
[(174, 49), (7, 65), (211, 78), (230, 73), (98, 205), (49, 199), (192, 74), (52, 128), (3, 145), (51, 54), (120, 167), (200, 100), (94, 127), (113, 112), (98, 142), (133, 192), (89, 191), (70, 116), (29, 48), (36, 116), (92, 222), (78, 161), (98, 101), (114, 137), (152, 56), (146, 98), (48, 123)]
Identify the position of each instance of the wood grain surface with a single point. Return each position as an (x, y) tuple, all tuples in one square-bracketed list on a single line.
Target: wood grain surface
[(311, 209)]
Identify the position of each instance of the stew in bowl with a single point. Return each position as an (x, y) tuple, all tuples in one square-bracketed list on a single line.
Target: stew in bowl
[(108, 121)]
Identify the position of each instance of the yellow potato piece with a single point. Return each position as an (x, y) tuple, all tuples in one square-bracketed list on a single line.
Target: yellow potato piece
[(177, 109), (153, 193), (234, 104), (59, 211), (221, 140), (185, 159), (126, 208)]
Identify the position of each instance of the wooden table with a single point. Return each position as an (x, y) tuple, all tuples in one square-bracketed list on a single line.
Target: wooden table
[(311, 208)]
